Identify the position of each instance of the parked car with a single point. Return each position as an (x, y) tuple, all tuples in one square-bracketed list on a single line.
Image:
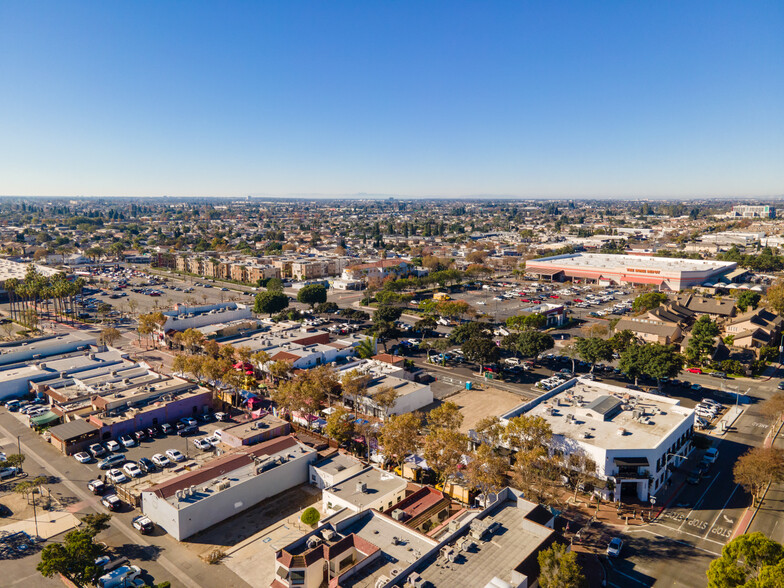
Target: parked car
[(721, 375), (140, 435), (167, 429), (175, 455), (694, 370), (711, 455), (122, 576), (143, 524), (127, 441), (110, 461), (213, 440), (112, 502), (83, 457), (190, 430), (96, 486), (189, 422), (146, 465), (161, 460), (222, 416), (202, 444), (116, 476), (97, 450), (6, 473), (112, 446), (133, 470), (615, 547)]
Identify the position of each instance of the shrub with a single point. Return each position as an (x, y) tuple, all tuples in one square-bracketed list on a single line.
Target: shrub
[(310, 516)]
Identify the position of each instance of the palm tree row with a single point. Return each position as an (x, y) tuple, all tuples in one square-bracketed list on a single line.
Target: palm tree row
[(27, 295)]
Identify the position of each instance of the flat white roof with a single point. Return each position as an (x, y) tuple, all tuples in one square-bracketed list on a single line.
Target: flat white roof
[(662, 415), (613, 262)]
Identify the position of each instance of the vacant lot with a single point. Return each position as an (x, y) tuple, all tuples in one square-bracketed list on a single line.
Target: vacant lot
[(478, 404)]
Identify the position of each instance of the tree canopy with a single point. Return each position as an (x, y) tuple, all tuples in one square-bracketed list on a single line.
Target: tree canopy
[(313, 294), (702, 341), (748, 561), (270, 302)]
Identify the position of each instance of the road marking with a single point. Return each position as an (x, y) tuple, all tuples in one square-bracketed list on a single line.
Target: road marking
[(716, 477), (627, 575), (721, 512), (134, 537)]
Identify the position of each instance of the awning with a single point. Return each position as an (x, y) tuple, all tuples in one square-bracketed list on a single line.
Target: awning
[(545, 272), (44, 419), (631, 461)]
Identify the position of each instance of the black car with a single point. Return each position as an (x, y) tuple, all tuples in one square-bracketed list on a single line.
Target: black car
[(151, 432), (146, 465), (188, 430), (180, 425), (140, 435)]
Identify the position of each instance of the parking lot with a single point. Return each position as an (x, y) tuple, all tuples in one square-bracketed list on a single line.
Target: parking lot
[(504, 300)]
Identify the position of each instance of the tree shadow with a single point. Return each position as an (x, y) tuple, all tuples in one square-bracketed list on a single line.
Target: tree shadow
[(134, 551)]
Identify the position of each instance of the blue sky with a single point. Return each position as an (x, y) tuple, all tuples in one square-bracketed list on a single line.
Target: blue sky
[(529, 99)]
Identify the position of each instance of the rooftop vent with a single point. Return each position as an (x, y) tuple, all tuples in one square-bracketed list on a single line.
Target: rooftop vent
[(362, 488)]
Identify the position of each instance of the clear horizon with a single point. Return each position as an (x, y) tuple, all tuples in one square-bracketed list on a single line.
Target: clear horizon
[(575, 100)]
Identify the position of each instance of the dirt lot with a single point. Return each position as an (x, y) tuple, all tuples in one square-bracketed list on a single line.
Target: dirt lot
[(478, 404)]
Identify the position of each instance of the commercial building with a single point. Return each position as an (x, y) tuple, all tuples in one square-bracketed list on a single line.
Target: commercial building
[(369, 488), (607, 269), (380, 269), (333, 470), (258, 430), (633, 437), (196, 500), (492, 547), (747, 211), (18, 270), (185, 317)]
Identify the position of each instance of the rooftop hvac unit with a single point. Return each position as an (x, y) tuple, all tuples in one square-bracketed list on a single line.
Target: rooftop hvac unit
[(381, 581), (569, 418), (454, 526), (313, 541), (621, 432), (395, 572), (395, 541), (327, 534), (415, 580), (399, 514), (179, 494), (361, 488)]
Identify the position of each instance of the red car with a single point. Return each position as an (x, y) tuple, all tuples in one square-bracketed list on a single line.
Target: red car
[(524, 300), (694, 370), (553, 295), (577, 300)]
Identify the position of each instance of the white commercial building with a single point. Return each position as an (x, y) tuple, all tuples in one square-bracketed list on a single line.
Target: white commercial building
[(607, 269), (196, 500), (634, 438), (369, 488), (333, 470), (747, 211)]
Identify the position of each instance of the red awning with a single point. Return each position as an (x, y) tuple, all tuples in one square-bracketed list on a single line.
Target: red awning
[(643, 280)]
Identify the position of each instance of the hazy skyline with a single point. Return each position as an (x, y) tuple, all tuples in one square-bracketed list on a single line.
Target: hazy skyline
[(537, 99)]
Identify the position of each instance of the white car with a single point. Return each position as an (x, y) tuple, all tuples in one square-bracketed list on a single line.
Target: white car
[(160, 460), (214, 440), (132, 470), (711, 455), (112, 446), (202, 444), (127, 441), (711, 402), (175, 455), (83, 457), (116, 476)]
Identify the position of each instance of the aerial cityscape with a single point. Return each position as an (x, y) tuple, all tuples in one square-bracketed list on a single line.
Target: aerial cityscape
[(358, 295)]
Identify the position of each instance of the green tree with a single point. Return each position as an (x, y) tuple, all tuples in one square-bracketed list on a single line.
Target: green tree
[(310, 516), (312, 295), (748, 298), (662, 361), (387, 314), (648, 301), (486, 471), (702, 342), (74, 558), (470, 330), (524, 322), (748, 561), (400, 436), (445, 416), (480, 350), (528, 343), (621, 340), (559, 568), (594, 349), (274, 285), (366, 348), (270, 302)]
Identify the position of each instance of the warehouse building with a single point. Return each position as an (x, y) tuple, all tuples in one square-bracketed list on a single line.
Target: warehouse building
[(607, 269)]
